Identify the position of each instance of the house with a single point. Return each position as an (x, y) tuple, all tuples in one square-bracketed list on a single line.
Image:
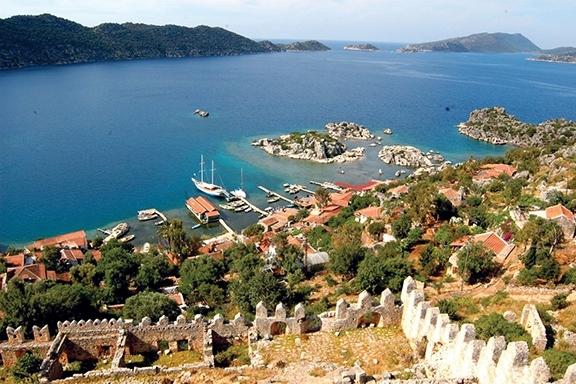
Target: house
[(29, 273), (399, 191), (366, 214), (455, 197), (489, 240), (562, 215), (203, 209), (69, 240), (342, 198), (492, 171), (72, 256), (278, 220)]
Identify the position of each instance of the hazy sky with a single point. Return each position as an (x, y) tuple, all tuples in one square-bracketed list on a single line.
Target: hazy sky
[(548, 23)]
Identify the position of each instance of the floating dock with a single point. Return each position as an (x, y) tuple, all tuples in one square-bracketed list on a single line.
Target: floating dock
[(269, 192), (154, 210), (327, 185)]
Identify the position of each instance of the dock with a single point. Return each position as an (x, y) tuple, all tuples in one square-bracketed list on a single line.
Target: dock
[(269, 192), (255, 208), (105, 231), (154, 210), (327, 185)]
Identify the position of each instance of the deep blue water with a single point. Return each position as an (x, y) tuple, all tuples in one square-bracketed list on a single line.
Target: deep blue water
[(86, 146)]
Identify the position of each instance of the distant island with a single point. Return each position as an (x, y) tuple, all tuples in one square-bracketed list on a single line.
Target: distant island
[(362, 47), (481, 42), (28, 41), (559, 55)]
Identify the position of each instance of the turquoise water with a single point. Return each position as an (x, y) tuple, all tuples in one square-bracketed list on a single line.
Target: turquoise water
[(86, 146)]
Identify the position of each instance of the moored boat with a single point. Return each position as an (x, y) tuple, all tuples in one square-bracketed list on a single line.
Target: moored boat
[(273, 199), (127, 238), (147, 215), (157, 223), (198, 225), (248, 209), (208, 188)]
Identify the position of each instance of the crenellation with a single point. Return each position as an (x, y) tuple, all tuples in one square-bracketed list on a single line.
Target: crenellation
[(15, 336), (280, 312), (341, 309), (261, 310), (531, 321)]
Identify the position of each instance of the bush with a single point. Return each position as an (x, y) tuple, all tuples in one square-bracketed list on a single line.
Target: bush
[(527, 277), (559, 302), (495, 324), (449, 307), (569, 277), (558, 361), (26, 367)]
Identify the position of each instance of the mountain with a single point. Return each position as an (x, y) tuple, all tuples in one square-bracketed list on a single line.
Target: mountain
[(481, 42), (46, 40)]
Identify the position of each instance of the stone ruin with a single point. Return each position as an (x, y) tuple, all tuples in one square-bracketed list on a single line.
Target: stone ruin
[(451, 353)]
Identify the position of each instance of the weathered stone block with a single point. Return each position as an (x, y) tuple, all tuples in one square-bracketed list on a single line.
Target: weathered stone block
[(261, 310), (280, 312), (341, 309)]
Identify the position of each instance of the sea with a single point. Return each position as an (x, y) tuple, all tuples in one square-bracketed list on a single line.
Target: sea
[(86, 146)]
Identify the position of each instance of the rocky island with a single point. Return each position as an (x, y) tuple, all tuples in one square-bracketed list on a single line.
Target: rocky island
[(480, 42), (348, 131), (410, 157), (494, 125), (557, 55), (362, 47), (312, 145)]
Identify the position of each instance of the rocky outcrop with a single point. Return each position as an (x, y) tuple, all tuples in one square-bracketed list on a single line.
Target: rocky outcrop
[(361, 47), (314, 146), (407, 156), (347, 131), (495, 126)]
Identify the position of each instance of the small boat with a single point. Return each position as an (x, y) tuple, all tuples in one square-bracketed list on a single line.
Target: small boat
[(226, 206), (201, 113), (380, 171), (341, 171), (159, 223), (291, 205), (387, 131), (240, 208), (196, 226), (372, 144), (240, 192), (249, 209), (273, 199), (397, 174), (285, 185), (127, 238)]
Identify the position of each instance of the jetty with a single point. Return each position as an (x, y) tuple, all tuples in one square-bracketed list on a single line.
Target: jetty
[(327, 185), (255, 208), (272, 193)]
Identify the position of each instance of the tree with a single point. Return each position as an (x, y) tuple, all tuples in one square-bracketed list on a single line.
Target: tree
[(117, 267), (153, 269), (26, 368), (322, 196), (85, 274), (377, 273), (152, 305), (175, 235), (475, 263), (199, 279), (348, 233), (428, 261), (376, 229), (402, 226), (345, 259), (443, 208), (51, 259), (248, 291), (360, 202), (254, 230), (319, 238)]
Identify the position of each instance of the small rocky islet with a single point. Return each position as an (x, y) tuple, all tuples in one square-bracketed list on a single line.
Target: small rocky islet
[(496, 126)]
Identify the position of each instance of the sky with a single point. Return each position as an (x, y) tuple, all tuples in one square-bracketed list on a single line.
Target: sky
[(547, 23)]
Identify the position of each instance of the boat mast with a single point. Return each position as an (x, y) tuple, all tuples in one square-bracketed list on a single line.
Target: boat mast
[(212, 172), (202, 168), (242, 178)]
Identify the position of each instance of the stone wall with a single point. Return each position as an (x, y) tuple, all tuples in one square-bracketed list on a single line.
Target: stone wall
[(452, 351), (531, 321), (280, 323), (362, 313)]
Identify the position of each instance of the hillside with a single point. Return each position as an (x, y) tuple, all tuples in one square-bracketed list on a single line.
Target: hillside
[(481, 42), (47, 40)]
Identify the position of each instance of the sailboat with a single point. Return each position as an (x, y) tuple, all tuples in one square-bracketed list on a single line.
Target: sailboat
[(240, 192), (208, 188)]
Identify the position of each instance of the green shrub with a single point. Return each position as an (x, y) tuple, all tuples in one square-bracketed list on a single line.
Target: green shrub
[(558, 361), (559, 302), (26, 368), (449, 307), (495, 324)]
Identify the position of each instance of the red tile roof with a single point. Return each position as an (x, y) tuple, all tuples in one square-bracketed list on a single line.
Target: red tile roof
[(342, 198), (488, 171), (32, 272), (397, 191), (557, 211), (15, 260), (371, 212), (71, 240), (491, 241), (72, 254)]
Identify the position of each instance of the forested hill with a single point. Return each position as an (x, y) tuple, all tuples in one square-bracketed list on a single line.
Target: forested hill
[(45, 39), (481, 42)]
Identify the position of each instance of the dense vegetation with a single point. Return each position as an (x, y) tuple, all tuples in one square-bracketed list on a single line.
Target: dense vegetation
[(45, 39)]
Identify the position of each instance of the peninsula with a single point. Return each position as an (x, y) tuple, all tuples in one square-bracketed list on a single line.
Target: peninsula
[(558, 55), (49, 40), (494, 125), (362, 47), (481, 42)]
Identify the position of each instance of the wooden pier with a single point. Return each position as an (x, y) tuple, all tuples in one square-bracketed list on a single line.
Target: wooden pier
[(327, 185), (255, 208), (269, 192)]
